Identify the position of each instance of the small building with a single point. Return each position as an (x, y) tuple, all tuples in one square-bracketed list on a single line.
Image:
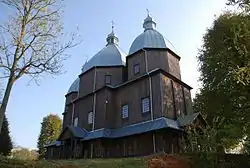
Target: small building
[(126, 105)]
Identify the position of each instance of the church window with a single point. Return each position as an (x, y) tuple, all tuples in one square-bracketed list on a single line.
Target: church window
[(145, 103), (107, 79), (136, 69), (125, 111), (90, 117), (76, 122)]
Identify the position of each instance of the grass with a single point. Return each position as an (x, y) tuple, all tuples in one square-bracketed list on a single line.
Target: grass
[(107, 163), (81, 163), (171, 161)]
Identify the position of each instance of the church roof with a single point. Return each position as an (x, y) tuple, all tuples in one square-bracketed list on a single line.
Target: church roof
[(150, 38), (76, 132), (138, 128), (133, 129), (144, 127), (74, 86), (110, 55), (189, 119), (54, 143)]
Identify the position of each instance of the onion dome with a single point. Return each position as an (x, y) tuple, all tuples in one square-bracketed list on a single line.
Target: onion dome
[(74, 86), (110, 55), (150, 38)]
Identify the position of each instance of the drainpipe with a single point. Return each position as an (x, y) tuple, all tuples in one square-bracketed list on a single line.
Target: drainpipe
[(94, 111), (162, 97), (72, 124), (150, 86), (94, 103), (151, 97), (73, 113)]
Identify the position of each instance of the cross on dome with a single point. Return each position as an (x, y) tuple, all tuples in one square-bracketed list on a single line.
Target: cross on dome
[(149, 24), (113, 24), (112, 39), (147, 11)]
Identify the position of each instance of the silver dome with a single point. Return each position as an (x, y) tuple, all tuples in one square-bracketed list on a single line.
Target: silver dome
[(110, 55), (74, 86), (150, 38)]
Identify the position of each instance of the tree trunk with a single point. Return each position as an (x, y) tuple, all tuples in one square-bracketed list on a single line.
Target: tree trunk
[(5, 100)]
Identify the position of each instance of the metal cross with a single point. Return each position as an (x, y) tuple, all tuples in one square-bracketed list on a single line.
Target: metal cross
[(147, 11), (113, 23)]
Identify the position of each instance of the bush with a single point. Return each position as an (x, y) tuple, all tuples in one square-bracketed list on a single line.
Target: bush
[(25, 154), (16, 163), (219, 160)]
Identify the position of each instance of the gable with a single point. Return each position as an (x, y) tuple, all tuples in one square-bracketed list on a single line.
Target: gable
[(191, 119), (65, 135), (72, 132)]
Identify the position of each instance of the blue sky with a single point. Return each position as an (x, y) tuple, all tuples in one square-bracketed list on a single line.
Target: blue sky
[(182, 22)]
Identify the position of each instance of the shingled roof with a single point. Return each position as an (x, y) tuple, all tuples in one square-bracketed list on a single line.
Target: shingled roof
[(133, 129), (138, 128), (188, 119)]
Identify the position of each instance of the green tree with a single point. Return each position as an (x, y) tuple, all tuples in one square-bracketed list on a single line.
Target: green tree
[(51, 128), (224, 63), (24, 154), (31, 42), (244, 4), (5, 139)]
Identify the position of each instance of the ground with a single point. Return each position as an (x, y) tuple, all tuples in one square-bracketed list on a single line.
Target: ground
[(107, 163), (94, 163), (138, 162), (162, 161)]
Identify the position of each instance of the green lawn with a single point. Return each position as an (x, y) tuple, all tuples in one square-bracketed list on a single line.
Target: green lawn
[(233, 161), (83, 163), (107, 163)]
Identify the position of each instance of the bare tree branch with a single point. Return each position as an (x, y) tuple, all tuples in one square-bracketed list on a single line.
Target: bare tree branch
[(31, 43), (14, 4)]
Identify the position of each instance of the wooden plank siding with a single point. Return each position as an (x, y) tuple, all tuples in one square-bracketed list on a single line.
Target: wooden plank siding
[(132, 96), (170, 98), (166, 140), (174, 66)]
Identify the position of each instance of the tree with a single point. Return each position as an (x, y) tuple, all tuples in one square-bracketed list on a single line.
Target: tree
[(244, 4), (5, 140), (24, 154), (224, 63), (31, 42), (51, 128)]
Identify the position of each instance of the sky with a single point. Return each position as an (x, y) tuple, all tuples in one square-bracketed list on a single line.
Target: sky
[(183, 23)]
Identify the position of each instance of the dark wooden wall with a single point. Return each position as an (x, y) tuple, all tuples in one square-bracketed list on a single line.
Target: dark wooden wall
[(157, 59), (138, 145), (87, 82), (68, 110), (174, 66), (138, 58), (132, 95), (167, 98), (82, 108), (115, 72), (176, 98), (67, 115), (170, 98), (105, 109)]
